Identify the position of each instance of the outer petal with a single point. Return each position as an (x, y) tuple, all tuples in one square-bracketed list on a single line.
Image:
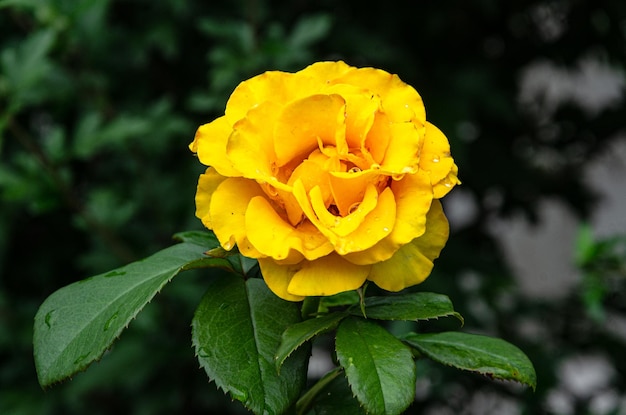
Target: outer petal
[(326, 276), (272, 86), (251, 146), (207, 183), (277, 278), (324, 72), (402, 152), (412, 263), (210, 145), (275, 237), (442, 188), (435, 158), (228, 211), (281, 87), (400, 101)]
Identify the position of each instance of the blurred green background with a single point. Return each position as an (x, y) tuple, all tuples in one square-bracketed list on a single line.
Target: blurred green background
[(99, 100)]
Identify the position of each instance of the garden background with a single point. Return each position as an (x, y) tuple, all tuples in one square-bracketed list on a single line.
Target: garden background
[(99, 100)]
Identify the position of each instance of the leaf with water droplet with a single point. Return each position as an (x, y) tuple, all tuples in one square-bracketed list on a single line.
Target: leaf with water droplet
[(78, 323), (48, 318), (110, 321), (240, 322)]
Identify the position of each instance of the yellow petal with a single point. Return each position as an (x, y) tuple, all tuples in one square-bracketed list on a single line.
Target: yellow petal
[(251, 146), (413, 262), (277, 278), (361, 108), (275, 237), (327, 276), (441, 188), (210, 145), (342, 226), (207, 183), (378, 137), (228, 210), (376, 226), (402, 152), (413, 197), (324, 72), (400, 101), (272, 86), (303, 122), (437, 232), (435, 154), (348, 189)]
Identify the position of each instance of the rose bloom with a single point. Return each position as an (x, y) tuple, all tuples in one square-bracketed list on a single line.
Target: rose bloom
[(329, 176)]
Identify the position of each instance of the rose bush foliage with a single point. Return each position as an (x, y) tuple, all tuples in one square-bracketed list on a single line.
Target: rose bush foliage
[(329, 176)]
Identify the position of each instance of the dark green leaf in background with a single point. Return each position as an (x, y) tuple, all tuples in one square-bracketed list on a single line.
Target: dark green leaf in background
[(482, 354), (379, 368), (236, 331), (76, 324)]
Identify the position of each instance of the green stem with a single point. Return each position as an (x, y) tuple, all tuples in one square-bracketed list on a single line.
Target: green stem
[(306, 401), (310, 307)]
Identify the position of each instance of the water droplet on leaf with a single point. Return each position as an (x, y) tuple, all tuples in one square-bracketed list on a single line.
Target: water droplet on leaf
[(240, 395), (49, 317), (110, 321)]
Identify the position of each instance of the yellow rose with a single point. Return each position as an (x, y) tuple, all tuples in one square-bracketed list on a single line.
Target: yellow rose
[(329, 177)]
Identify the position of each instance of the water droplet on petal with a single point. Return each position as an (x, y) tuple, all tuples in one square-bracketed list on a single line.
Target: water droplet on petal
[(436, 159), (385, 229)]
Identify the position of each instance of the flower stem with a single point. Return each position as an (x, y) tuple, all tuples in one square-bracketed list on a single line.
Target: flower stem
[(306, 401)]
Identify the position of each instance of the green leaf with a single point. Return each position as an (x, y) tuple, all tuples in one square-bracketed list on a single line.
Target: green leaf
[(236, 331), (78, 323), (476, 353), (379, 368), (415, 306), (297, 334)]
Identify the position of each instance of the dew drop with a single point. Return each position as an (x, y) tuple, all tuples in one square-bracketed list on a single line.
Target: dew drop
[(385, 229), (436, 159), (48, 318), (205, 353), (110, 321), (240, 395), (81, 358), (447, 184)]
